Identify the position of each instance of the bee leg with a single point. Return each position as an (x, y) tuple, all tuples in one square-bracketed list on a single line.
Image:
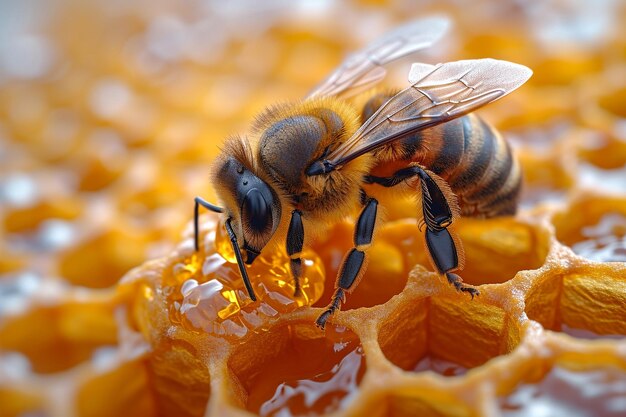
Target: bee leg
[(240, 264), (352, 269), (441, 244), (295, 240), (199, 201)]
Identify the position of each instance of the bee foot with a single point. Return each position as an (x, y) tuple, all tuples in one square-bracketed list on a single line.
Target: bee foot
[(321, 320), (457, 281), (297, 292)]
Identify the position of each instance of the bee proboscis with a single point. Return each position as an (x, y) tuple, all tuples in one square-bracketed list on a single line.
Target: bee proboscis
[(313, 162)]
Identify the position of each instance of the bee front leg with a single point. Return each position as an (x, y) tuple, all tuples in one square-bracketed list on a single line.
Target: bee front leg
[(353, 264), (295, 241)]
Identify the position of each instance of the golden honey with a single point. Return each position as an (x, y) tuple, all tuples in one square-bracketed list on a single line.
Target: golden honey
[(109, 118)]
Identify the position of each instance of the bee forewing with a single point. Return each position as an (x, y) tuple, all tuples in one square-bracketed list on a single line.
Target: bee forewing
[(438, 94), (363, 69), (485, 73)]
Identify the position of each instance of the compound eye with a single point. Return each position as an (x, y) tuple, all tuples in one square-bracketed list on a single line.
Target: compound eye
[(256, 213)]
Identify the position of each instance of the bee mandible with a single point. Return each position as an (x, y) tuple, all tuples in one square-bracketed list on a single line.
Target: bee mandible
[(313, 162)]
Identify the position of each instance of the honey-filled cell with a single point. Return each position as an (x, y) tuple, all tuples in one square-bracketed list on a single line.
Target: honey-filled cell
[(296, 369), (17, 403), (562, 392), (55, 339), (594, 227)]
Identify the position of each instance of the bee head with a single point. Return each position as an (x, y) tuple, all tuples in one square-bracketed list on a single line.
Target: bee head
[(251, 204)]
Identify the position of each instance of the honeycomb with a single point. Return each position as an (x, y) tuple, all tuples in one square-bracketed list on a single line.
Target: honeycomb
[(109, 116)]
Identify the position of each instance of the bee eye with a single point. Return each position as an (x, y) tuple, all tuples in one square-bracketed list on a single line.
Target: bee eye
[(256, 211)]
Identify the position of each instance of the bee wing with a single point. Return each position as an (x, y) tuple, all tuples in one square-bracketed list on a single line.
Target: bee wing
[(362, 69), (438, 94)]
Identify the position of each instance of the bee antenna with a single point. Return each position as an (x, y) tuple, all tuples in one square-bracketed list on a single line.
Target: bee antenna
[(242, 267), (199, 201)]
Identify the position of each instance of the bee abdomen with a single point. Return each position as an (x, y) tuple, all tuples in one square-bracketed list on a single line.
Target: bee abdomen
[(487, 179)]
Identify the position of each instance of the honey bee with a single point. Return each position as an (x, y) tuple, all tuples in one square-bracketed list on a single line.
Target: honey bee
[(313, 162)]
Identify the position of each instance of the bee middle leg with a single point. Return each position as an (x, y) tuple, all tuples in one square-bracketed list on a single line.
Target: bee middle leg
[(445, 251), (353, 264)]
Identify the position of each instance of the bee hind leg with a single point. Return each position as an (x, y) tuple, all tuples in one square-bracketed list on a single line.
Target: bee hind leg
[(353, 264), (444, 255), (444, 248)]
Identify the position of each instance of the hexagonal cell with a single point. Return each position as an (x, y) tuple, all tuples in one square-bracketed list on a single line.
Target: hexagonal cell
[(433, 334), (179, 379), (386, 273), (18, 403), (57, 338), (547, 175), (425, 402), (295, 369), (24, 219), (101, 260), (517, 246), (614, 102), (600, 149), (594, 227), (600, 179), (122, 390), (564, 392), (586, 302)]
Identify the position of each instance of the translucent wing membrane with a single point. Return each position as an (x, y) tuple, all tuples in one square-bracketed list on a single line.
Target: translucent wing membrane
[(438, 94), (364, 68)]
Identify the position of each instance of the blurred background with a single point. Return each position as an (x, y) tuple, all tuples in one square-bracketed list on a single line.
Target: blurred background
[(111, 111)]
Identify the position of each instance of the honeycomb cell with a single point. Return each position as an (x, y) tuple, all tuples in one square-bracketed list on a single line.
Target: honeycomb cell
[(595, 228), (297, 370), (179, 379), (386, 272), (614, 102), (546, 174), (516, 244), (27, 219), (102, 259), (57, 338), (565, 69), (562, 392), (17, 403), (426, 402), (600, 149), (433, 333), (122, 390), (586, 302)]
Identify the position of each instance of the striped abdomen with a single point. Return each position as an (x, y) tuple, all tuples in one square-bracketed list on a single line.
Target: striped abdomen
[(470, 155), (477, 163)]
